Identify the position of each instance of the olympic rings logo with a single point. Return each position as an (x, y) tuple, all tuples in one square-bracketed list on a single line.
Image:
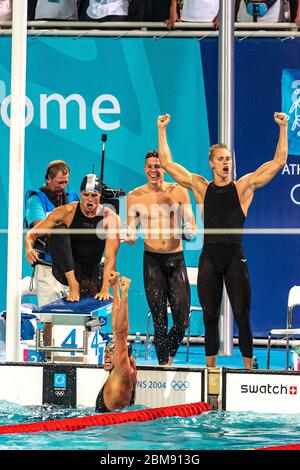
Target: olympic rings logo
[(180, 385), (59, 393)]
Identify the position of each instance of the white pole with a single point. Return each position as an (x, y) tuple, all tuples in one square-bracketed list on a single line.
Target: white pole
[(226, 118), (16, 179)]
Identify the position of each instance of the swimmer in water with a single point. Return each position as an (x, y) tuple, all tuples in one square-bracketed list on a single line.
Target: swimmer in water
[(119, 388)]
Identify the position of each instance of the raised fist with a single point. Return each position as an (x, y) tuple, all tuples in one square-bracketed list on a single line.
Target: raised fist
[(281, 119), (124, 284), (163, 121)]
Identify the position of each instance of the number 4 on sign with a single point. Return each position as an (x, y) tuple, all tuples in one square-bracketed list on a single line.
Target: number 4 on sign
[(70, 341), (94, 343)]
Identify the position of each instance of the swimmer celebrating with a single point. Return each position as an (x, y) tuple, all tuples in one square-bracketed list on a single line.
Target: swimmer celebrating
[(119, 388), (160, 208), (76, 258), (226, 204)]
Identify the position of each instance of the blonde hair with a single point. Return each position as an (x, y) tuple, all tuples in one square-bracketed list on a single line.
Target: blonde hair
[(216, 147)]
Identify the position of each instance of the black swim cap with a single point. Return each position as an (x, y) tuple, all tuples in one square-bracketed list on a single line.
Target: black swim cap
[(91, 184)]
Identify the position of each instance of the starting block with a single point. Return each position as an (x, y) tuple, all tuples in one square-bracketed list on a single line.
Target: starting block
[(75, 323)]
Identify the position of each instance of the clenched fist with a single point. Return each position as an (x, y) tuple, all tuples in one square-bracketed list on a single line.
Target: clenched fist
[(163, 121), (281, 119)]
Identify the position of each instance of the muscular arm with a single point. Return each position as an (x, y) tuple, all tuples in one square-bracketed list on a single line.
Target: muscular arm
[(133, 219), (120, 319), (120, 327), (178, 172), (268, 170), (60, 214), (183, 176), (111, 249), (187, 215)]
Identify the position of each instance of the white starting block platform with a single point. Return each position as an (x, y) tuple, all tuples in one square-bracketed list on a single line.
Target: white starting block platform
[(87, 306), (75, 337)]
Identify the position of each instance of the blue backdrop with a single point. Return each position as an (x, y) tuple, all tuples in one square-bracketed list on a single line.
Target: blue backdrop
[(138, 80), (78, 89), (261, 89)]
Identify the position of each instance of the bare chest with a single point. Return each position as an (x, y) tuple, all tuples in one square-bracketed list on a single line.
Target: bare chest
[(161, 206)]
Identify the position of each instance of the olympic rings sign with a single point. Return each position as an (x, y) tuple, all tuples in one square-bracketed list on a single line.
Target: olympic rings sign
[(179, 385)]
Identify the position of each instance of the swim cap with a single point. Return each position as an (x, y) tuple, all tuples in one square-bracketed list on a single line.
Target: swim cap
[(91, 184)]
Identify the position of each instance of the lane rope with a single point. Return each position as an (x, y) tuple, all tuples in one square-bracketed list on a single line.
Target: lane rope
[(108, 419)]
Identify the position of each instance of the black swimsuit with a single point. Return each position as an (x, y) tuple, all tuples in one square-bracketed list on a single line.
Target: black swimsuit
[(166, 281), (100, 405), (79, 252), (223, 259)]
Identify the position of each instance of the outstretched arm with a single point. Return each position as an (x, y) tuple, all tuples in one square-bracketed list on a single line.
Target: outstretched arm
[(42, 228), (178, 172), (120, 323), (133, 220), (189, 224), (112, 246), (184, 177), (113, 280), (60, 214), (268, 170)]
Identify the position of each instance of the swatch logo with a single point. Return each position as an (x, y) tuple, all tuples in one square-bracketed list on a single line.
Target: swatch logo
[(270, 389)]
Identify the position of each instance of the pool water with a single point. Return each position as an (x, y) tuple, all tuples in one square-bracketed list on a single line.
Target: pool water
[(215, 430)]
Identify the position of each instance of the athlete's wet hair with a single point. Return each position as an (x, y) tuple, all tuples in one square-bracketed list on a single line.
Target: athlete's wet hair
[(215, 147), (91, 184), (54, 167), (150, 154)]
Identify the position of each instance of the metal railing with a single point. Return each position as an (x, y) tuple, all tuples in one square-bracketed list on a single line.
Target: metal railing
[(157, 30)]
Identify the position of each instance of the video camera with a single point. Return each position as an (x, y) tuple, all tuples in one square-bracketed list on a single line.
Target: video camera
[(109, 196), (109, 193)]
